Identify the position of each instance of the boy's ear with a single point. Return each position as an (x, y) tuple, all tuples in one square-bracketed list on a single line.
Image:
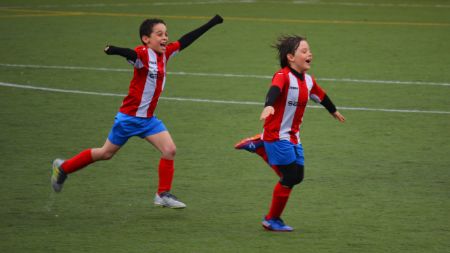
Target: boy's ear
[(145, 39), (290, 57)]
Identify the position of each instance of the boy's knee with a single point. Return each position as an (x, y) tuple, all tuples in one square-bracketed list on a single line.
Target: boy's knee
[(99, 154), (169, 152), (107, 155), (102, 153)]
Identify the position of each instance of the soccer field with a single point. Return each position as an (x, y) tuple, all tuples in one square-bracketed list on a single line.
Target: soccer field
[(380, 182)]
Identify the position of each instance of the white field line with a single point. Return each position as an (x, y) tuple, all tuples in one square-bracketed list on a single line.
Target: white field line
[(385, 5), (346, 80), (198, 100)]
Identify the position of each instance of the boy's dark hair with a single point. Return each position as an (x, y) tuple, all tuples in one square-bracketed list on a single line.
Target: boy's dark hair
[(146, 27), (287, 44)]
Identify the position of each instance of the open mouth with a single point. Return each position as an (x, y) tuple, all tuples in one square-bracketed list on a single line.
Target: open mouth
[(308, 61)]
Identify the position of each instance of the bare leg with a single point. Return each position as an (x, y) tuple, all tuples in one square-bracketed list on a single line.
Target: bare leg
[(89, 156), (61, 168), (164, 143), (166, 169), (106, 152)]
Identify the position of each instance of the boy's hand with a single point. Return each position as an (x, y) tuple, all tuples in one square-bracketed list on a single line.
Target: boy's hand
[(217, 19), (338, 116), (268, 110)]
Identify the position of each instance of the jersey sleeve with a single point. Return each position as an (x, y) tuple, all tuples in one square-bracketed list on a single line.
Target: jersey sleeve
[(316, 93), (142, 56), (278, 80), (172, 49)]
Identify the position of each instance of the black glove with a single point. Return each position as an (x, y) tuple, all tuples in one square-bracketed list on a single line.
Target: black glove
[(109, 49), (217, 19), (129, 54)]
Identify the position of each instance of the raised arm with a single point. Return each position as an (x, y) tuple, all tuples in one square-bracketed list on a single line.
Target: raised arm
[(127, 53), (190, 37)]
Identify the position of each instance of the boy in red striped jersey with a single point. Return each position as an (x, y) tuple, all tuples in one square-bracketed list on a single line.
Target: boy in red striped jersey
[(136, 115), (279, 145)]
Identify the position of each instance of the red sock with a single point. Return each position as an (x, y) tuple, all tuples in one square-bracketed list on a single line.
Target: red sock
[(279, 200), (165, 172), (262, 153), (77, 162), (277, 170)]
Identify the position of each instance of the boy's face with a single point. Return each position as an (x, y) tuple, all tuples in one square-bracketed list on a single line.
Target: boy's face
[(158, 39), (302, 58)]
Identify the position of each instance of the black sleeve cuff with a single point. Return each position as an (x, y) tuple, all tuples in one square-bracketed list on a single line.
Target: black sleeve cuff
[(328, 104), (272, 95), (129, 54)]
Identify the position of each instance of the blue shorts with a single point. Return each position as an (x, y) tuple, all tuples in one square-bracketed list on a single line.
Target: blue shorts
[(126, 126), (284, 152)]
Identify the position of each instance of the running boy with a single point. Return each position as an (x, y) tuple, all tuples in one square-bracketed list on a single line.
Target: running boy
[(279, 145), (136, 115)]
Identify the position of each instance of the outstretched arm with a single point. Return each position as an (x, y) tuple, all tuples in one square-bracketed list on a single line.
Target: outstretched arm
[(129, 54), (190, 37), (331, 108)]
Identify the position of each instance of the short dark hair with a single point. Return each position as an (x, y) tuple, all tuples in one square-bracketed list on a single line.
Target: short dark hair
[(287, 44), (146, 27)]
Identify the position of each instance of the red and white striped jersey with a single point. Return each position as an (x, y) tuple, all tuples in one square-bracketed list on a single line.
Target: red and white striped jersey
[(290, 105), (148, 80)]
